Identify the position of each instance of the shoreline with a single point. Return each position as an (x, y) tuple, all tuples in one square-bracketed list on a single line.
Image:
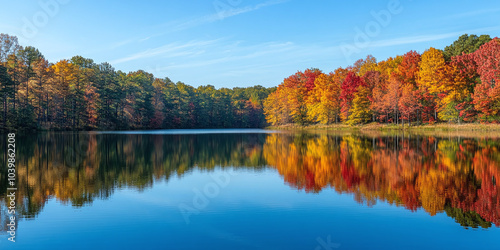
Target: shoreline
[(438, 127)]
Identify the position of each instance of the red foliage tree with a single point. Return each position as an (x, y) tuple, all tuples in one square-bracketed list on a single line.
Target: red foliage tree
[(467, 70), (488, 63), (409, 67), (349, 87), (408, 103), (308, 77), (487, 94)]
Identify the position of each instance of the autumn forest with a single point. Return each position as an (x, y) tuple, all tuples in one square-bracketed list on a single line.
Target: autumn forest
[(78, 94), (457, 84)]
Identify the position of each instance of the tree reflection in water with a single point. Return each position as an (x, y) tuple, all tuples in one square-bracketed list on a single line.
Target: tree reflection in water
[(454, 175)]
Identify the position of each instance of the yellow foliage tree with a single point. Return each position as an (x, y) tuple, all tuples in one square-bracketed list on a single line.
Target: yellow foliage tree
[(323, 103), (276, 108), (452, 89), (389, 67), (360, 111), (65, 75), (431, 64), (362, 66)]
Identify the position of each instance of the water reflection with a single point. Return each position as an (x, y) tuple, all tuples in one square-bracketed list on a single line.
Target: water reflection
[(455, 175)]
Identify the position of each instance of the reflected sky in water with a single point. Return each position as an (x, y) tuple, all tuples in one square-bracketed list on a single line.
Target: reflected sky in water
[(255, 190)]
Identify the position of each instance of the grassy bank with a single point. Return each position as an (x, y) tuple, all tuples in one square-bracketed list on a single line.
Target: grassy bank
[(439, 127)]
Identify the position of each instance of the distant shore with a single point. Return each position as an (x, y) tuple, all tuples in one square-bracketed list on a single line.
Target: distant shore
[(440, 127)]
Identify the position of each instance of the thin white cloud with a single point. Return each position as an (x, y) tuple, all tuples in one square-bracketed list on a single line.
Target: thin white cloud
[(255, 69), (144, 39), (122, 43), (8, 27), (473, 13), (222, 13), (172, 50), (239, 58), (411, 40), (427, 38), (238, 54), (226, 58), (128, 41)]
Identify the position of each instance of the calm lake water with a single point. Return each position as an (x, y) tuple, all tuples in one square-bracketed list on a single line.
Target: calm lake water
[(253, 189)]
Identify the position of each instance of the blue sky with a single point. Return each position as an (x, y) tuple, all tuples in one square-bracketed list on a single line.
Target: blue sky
[(229, 43)]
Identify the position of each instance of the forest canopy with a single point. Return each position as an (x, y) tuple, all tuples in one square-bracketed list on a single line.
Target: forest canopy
[(457, 84), (79, 94)]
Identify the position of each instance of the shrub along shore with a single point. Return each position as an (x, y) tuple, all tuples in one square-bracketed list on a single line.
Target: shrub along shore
[(394, 127)]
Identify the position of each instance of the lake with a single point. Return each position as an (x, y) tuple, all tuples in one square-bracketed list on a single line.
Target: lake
[(253, 189)]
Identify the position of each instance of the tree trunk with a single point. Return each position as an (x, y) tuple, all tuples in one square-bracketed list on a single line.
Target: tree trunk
[(47, 110), (5, 105), (27, 86)]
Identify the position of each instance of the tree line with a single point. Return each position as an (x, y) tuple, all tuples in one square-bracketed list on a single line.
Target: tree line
[(457, 84), (79, 94)]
